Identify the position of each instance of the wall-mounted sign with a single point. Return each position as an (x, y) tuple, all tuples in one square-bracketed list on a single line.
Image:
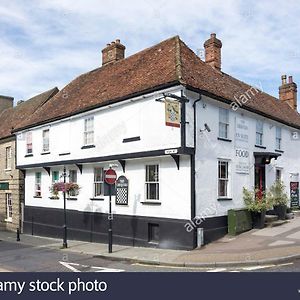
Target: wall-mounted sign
[(4, 186), (171, 151), (172, 112), (122, 191), (242, 161), (241, 133), (294, 186)]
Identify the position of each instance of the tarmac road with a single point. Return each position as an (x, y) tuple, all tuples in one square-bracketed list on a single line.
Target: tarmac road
[(16, 257)]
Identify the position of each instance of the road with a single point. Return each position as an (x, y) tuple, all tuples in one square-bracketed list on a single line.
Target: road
[(23, 258)]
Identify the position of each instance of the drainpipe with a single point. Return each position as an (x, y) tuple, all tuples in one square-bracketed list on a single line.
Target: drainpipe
[(193, 170)]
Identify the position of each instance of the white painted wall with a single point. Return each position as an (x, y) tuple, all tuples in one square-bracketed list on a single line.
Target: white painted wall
[(174, 189), (209, 149), (144, 117)]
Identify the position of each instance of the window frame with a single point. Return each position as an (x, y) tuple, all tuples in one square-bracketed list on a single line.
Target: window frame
[(38, 192), (96, 182), (224, 123), (88, 131), (52, 177), (225, 179), (9, 207), (8, 160), (73, 193), (29, 142), (149, 182), (45, 150), (259, 137), (278, 139)]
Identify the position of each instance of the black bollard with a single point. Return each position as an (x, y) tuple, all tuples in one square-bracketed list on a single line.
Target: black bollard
[(18, 235)]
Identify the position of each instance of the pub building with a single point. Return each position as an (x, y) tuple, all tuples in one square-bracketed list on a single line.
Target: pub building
[(183, 136)]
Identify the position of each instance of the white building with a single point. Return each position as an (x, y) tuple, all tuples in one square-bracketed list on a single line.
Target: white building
[(187, 137)]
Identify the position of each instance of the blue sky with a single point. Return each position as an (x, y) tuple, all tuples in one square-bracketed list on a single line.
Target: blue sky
[(48, 43)]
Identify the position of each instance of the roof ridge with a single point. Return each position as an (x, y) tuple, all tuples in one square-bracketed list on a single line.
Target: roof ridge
[(178, 63)]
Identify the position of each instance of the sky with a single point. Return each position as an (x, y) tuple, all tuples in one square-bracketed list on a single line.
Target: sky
[(47, 43)]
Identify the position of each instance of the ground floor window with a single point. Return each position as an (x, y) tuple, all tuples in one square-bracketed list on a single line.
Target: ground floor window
[(73, 179), (152, 182), (9, 208), (98, 182), (55, 176), (38, 183), (278, 174), (223, 179)]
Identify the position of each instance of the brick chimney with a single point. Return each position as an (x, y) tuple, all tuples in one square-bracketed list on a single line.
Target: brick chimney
[(213, 52), (6, 102), (288, 91), (113, 52)]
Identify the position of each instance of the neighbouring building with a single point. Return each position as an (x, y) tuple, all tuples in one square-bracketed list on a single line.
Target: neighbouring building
[(12, 179), (185, 136)]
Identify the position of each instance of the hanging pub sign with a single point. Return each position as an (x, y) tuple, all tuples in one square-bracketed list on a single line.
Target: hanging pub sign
[(294, 194), (172, 112), (122, 191)]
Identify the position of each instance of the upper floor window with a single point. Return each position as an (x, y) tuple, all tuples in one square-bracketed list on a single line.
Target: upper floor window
[(152, 182), (89, 131), (223, 178), (29, 142), (98, 182), (8, 158), (46, 145), (278, 138), (223, 123), (259, 133)]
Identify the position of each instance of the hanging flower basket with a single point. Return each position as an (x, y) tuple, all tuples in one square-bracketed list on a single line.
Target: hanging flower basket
[(64, 188)]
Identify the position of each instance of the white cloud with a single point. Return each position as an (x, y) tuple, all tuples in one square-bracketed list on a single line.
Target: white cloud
[(47, 43)]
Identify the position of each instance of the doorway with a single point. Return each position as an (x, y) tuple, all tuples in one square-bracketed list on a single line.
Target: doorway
[(260, 180)]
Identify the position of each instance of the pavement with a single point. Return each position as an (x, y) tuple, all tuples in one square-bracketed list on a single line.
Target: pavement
[(256, 247)]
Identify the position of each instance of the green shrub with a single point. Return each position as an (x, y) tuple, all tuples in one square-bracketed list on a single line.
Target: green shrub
[(255, 203)]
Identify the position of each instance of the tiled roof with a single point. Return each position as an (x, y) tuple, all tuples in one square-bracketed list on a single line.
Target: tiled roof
[(11, 118), (167, 63)]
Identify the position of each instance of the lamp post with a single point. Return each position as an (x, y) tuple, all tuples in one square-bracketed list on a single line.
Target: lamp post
[(65, 243)]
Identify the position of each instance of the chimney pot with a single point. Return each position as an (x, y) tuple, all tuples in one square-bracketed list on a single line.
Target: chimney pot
[(290, 79), (283, 79)]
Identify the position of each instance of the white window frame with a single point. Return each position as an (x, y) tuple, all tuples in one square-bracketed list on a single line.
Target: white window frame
[(223, 112), (52, 177), (98, 182), (226, 179), (278, 138), (9, 207), (88, 133), (46, 140), (259, 137), (156, 182), (38, 191), (29, 150), (8, 158)]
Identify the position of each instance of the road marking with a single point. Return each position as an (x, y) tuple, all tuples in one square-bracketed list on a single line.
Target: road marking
[(253, 268), (76, 268)]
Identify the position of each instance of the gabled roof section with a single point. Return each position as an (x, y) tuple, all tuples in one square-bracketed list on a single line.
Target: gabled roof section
[(12, 117), (166, 64)]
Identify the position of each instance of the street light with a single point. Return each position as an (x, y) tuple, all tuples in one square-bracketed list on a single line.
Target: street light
[(65, 243)]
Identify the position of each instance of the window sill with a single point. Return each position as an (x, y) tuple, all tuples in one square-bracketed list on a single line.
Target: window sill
[(261, 147), (7, 170), (28, 155), (150, 202), (133, 139), (224, 140), (54, 198), (8, 220), (88, 147), (224, 199), (37, 197), (279, 151), (45, 153), (63, 154), (97, 199), (72, 199)]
